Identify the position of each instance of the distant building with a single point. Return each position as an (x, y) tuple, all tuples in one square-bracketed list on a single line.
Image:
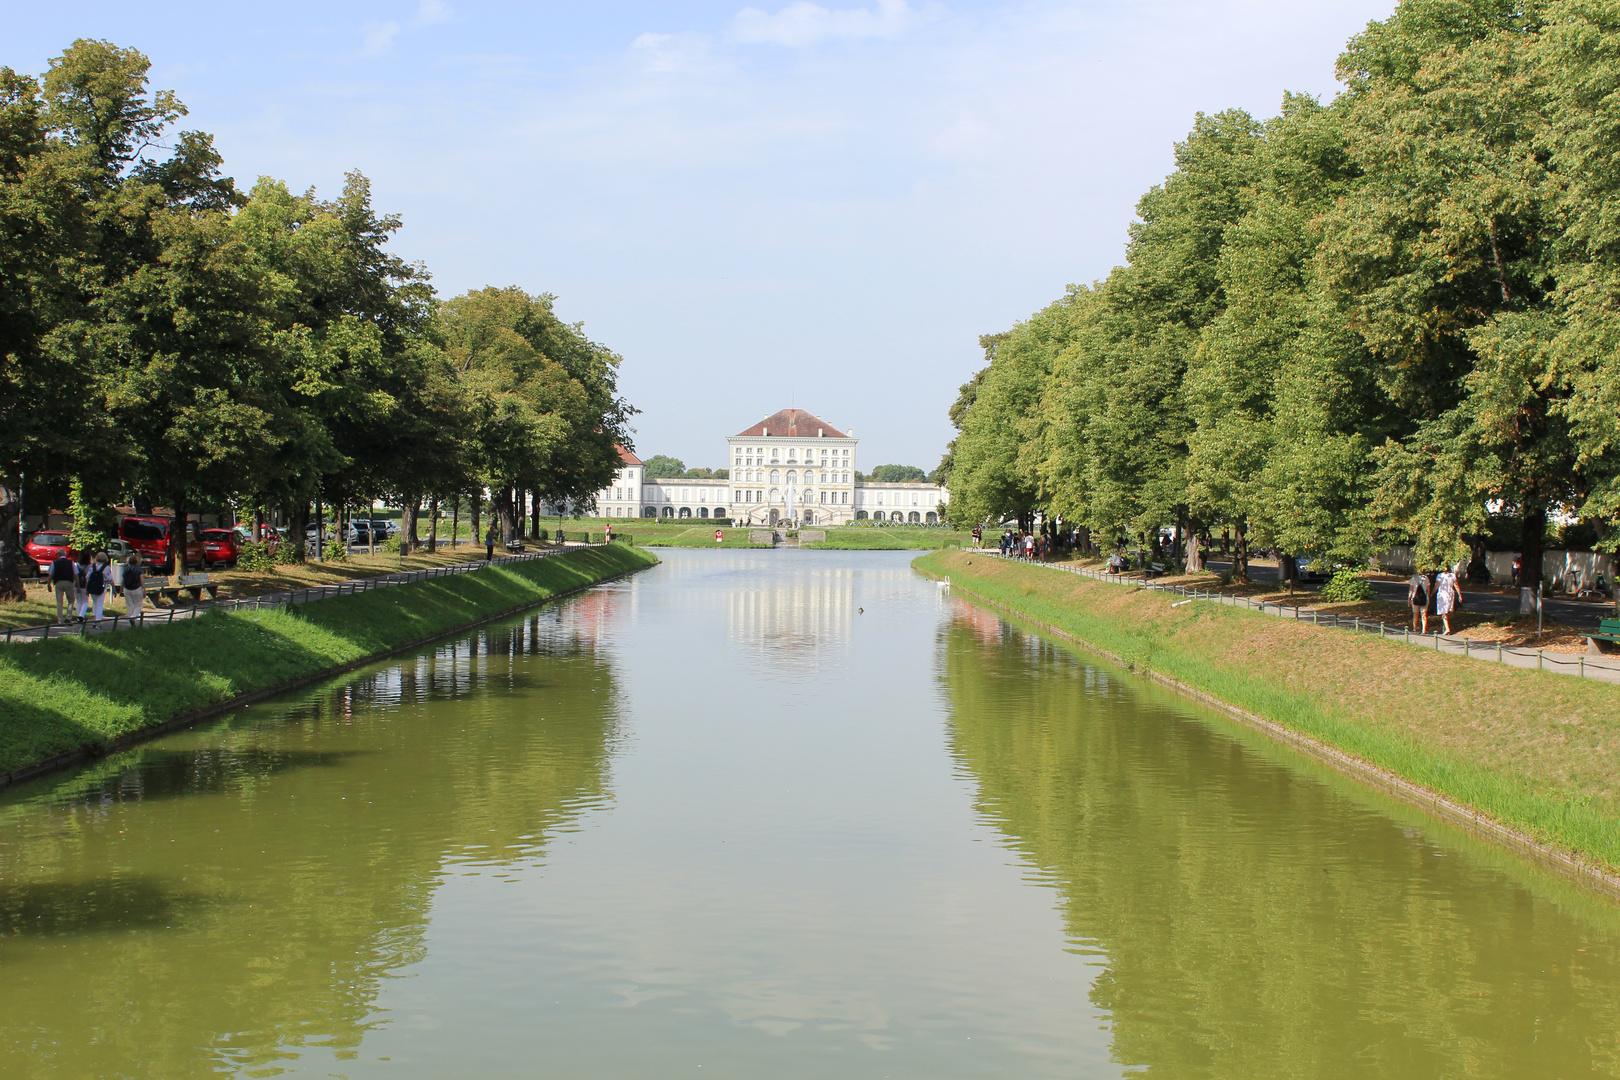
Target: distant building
[(790, 467)]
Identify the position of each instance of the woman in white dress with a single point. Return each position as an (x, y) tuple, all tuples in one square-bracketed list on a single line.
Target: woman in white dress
[(1446, 596)]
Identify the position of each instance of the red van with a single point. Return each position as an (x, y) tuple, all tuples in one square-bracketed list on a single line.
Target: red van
[(150, 537)]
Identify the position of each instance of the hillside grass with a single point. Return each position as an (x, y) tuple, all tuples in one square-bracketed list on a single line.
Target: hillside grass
[(74, 692), (1537, 751)]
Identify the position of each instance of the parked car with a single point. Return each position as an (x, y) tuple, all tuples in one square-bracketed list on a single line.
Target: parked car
[(43, 547), (150, 536), (1312, 569), (359, 531), (219, 548)]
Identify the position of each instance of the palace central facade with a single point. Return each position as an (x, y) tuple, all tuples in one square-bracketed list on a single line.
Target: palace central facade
[(791, 467)]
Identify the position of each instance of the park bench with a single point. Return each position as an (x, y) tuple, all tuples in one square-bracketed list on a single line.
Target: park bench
[(195, 584), (514, 546), (1606, 638)]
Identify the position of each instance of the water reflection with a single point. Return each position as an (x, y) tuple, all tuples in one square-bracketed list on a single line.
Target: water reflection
[(1257, 920), (263, 917)]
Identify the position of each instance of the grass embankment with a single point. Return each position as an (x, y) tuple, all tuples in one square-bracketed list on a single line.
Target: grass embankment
[(893, 538), (76, 692), (1535, 751)]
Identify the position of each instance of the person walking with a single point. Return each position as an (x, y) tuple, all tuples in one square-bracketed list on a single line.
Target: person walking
[(134, 583), (81, 573), (98, 583), (1447, 595), (62, 584), (1417, 598), (489, 545)]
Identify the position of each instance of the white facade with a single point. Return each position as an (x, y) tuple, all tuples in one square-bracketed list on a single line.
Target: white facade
[(790, 467)]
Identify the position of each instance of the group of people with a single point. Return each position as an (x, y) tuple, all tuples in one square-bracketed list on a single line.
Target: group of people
[(82, 585), (1018, 544), (1444, 590)]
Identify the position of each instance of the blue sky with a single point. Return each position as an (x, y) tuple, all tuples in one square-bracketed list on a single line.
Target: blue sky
[(754, 205)]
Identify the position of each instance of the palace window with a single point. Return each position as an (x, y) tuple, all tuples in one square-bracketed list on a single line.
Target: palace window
[(776, 476), (846, 497)]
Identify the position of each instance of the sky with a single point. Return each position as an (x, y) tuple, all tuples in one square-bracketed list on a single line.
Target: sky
[(757, 207)]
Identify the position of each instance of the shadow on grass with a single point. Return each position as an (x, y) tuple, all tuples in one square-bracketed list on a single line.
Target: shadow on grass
[(106, 905)]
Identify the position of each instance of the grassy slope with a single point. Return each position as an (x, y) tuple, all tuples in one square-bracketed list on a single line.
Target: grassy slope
[(73, 692), (1537, 751), (896, 538)]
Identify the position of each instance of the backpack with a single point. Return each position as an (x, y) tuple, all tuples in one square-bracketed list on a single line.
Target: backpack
[(95, 582), (132, 578)]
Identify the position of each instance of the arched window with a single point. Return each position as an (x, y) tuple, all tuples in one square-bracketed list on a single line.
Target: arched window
[(793, 474), (669, 511), (931, 518), (860, 515), (776, 478), (916, 519), (686, 511), (703, 511), (776, 495)]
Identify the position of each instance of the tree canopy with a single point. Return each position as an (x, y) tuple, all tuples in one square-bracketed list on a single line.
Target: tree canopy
[(1388, 318)]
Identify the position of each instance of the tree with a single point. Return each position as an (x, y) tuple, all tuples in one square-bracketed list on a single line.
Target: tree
[(894, 474), (662, 466)]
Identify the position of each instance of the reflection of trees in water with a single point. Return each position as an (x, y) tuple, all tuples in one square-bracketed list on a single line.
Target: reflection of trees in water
[(1254, 922), (273, 872)]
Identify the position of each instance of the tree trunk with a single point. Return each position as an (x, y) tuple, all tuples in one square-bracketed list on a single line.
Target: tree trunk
[(1195, 554), (475, 508), (11, 585), (433, 524), (1240, 559), (1532, 540), (455, 520), (177, 536), (413, 507), (298, 528), (503, 510), (534, 524)]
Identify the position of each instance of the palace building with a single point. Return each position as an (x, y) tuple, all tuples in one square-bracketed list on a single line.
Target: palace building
[(791, 467)]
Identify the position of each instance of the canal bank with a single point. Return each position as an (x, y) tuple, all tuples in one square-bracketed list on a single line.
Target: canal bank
[(1526, 758), (67, 698)]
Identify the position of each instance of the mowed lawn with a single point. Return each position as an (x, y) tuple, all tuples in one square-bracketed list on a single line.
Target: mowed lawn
[(1534, 750)]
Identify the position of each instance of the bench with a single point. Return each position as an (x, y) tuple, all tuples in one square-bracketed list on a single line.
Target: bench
[(1608, 635), (195, 584), (514, 546)]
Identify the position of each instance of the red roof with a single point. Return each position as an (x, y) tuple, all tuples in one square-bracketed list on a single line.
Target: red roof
[(626, 456), (792, 424)]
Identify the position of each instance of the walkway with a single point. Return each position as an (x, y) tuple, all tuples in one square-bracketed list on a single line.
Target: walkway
[(1581, 665), (269, 600)]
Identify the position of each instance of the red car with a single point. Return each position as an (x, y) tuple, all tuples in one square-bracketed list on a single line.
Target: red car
[(219, 548), (44, 546), (150, 537)]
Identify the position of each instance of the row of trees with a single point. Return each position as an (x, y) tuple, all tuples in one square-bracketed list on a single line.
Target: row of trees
[(167, 338), (1391, 318)]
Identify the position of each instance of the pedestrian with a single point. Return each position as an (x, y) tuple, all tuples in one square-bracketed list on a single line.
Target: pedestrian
[(97, 583), (489, 545), (62, 584), (134, 583), (607, 534), (1417, 598), (81, 572), (1447, 596)]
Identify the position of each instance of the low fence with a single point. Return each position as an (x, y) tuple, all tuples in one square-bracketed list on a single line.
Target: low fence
[(1581, 665), (267, 600)]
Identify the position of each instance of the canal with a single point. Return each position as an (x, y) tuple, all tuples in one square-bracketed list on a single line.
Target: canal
[(769, 814)]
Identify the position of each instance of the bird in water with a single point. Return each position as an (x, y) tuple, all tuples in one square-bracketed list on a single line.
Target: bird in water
[(860, 611)]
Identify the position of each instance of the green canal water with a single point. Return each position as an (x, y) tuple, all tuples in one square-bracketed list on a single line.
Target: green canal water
[(717, 821)]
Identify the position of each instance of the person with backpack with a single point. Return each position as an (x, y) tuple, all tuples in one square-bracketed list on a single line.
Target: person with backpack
[(97, 584), (489, 544), (62, 583), (81, 574), (134, 583)]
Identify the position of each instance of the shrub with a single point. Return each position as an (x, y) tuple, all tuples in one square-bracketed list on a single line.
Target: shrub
[(255, 558), (1347, 586), (335, 551), (287, 555), (390, 545), (1226, 577)]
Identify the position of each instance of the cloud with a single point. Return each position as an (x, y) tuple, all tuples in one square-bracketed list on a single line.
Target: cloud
[(378, 37), (804, 23)]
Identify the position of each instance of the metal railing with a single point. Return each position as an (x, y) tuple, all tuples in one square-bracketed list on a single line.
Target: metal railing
[(1605, 668), (266, 600)]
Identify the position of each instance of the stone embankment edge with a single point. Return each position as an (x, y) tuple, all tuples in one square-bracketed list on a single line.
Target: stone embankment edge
[(1447, 809), (69, 758)]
